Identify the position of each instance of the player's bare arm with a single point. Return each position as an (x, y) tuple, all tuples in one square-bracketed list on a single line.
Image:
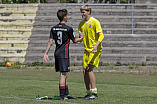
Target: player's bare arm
[(81, 36), (95, 47), (47, 50), (101, 37)]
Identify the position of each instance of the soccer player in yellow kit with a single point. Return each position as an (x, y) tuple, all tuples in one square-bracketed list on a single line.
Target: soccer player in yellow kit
[(93, 37)]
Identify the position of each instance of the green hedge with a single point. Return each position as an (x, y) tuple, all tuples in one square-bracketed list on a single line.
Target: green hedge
[(21, 1), (34, 1), (67, 1)]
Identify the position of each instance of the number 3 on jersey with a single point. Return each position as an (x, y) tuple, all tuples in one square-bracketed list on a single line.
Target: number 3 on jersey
[(59, 35)]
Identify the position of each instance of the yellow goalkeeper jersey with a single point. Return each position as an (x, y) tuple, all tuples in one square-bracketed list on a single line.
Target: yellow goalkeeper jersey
[(91, 30)]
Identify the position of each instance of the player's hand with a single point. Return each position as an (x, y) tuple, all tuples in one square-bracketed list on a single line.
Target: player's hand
[(94, 49), (81, 35), (85, 70), (45, 58)]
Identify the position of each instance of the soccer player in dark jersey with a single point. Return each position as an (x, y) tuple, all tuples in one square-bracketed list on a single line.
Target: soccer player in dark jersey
[(62, 34)]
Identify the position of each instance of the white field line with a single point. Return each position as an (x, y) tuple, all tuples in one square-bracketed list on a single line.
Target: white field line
[(125, 85), (105, 84), (17, 98), (27, 85), (83, 83)]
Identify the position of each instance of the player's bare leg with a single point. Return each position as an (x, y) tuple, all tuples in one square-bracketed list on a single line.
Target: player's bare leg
[(62, 84), (90, 81), (86, 79), (63, 78), (92, 77)]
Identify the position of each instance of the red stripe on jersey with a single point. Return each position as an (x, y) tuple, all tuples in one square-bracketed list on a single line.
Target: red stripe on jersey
[(67, 49), (73, 39)]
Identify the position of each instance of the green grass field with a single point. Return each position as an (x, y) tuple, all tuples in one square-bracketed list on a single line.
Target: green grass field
[(20, 86)]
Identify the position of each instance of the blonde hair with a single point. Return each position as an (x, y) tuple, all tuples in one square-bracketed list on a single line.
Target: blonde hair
[(86, 8)]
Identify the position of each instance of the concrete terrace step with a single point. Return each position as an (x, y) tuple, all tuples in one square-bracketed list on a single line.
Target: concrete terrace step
[(145, 30), (14, 37), (16, 25), (117, 12), (12, 50), (18, 57), (114, 6), (111, 12), (72, 63), (39, 56), (18, 13), (125, 58), (16, 31), (145, 25), (106, 58), (121, 44), (106, 50), (145, 6), (117, 18), (26, 19), (129, 24), (116, 39), (51, 6), (43, 43), (129, 50), (79, 49), (109, 27), (18, 7), (109, 37), (74, 20), (14, 43), (122, 24), (45, 19), (129, 31), (103, 24), (106, 30), (39, 37), (130, 37)]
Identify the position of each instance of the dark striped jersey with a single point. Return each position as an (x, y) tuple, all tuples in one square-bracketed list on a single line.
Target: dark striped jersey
[(62, 34)]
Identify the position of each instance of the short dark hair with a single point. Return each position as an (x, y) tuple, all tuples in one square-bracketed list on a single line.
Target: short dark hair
[(61, 14)]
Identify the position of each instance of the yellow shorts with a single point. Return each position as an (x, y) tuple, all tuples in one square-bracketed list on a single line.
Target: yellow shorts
[(91, 58)]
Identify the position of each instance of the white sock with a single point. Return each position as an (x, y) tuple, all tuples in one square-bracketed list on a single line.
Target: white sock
[(95, 89)]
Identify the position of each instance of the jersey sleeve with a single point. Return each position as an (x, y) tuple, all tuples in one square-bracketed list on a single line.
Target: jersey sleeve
[(99, 31), (51, 34), (79, 28), (71, 34), (98, 27)]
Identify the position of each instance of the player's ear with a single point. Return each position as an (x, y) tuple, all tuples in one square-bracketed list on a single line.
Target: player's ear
[(65, 18), (89, 12)]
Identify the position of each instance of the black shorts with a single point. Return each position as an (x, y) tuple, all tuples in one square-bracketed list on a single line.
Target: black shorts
[(62, 65)]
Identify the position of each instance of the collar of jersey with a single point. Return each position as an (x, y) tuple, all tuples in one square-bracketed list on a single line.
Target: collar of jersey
[(89, 20), (62, 23)]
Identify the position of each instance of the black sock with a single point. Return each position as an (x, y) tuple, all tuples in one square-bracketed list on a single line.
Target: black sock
[(66, 90), (62, 91)]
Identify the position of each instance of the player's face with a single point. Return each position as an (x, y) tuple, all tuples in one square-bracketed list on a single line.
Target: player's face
[(85, 14)]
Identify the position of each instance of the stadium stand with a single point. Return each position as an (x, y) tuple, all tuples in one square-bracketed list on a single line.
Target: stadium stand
[(120, 44)]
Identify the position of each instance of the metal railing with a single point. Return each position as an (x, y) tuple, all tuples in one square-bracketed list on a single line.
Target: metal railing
[(132, 9)]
